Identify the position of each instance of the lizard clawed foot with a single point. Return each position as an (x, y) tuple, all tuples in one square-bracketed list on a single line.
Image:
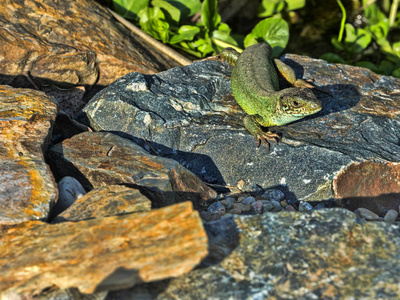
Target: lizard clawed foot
[(265, 137)]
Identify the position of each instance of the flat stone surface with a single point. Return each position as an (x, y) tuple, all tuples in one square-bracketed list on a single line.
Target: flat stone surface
[(105, 201), (72, 45), (27, 187), (189, 114), (100, 254), (322, 254), (98, 159)]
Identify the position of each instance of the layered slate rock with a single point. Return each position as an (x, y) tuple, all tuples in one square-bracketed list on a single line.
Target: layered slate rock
[(67, 47), (100, 254), (27, 187), (99, 158), (188, 114), (105, 201), (324, 254)]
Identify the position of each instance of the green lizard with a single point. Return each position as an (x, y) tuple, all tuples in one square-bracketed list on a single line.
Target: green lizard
[(255, 86)]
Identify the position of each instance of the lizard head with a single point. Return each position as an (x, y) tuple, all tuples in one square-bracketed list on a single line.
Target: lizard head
[(296, 103)]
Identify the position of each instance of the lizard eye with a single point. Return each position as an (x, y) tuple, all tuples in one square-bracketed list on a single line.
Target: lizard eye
[(295, 103)]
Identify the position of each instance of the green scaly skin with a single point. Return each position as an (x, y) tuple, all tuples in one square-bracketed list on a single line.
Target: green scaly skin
[(255, 86)]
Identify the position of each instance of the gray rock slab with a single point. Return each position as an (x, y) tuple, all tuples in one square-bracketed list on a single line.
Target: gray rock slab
[(98, 159), (188, 114), (324, 254)]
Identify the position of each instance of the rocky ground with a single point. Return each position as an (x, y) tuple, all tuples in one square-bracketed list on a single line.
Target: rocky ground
[(123, 176)]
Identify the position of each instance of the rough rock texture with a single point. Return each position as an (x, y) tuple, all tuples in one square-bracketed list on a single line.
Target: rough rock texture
[(105, 201), (323, 254), (371, 185), (72, 45), (69, 294), (188, 113), (98, 158), (27, 188), (100, 254)]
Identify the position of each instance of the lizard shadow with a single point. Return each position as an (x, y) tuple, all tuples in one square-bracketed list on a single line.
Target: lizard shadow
[(195, 162)]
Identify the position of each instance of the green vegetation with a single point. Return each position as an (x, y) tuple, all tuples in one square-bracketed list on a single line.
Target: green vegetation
[(167, 21), (367, 43), (360, 43)]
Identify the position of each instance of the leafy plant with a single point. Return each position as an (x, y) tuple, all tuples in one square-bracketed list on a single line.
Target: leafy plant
[(268, 8), (359, 43), (167, 21)]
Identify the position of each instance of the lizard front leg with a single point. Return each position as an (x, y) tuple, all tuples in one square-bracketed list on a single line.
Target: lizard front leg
[(252, 124)]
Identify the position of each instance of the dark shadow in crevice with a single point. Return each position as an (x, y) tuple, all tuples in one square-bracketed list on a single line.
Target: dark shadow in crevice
[(378, 204)]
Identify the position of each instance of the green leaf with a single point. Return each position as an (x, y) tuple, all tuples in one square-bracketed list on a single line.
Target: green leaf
[(338, 45), (396, 49), (386, 48), (386, 67), (396, 73), (268, 8), (295, 4), (379, 30), (333, 58), (273, 31), (368, 65), (171, 13), (372, 12), (185, 32), (356, 39), (129, 9), (204, 46), (209, 14), (186, 7), (152, 22), (223, 34)]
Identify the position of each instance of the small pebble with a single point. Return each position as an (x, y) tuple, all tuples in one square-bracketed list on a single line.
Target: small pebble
[(235, 211), (227, 215), (248, 200), (274, 194), (242, 207), (207, 216), (258, 206), (241, 197), (391, 216), (305, 206), (290, 208), (228, 202), (69, 189), (216, 208), (272, 206), (367, 214)]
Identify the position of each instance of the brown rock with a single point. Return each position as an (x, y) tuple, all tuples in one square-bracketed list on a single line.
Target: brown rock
[(371, 185), (98, 158), (100, 254), (27, 188), (69, 44), (105, 201)]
